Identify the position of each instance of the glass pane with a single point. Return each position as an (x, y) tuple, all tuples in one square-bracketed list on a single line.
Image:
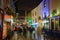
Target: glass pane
[(56, 23), (52, 24), (59, 22)]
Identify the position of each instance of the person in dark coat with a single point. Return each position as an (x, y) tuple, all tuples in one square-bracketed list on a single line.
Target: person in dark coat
[(8, 37), (24, 30)]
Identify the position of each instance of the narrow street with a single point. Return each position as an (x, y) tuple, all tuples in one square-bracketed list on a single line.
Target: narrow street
[(20, 37), (42, 37), (29, 19)]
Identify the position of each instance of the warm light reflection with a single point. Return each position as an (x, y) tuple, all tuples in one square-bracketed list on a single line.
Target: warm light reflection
[(8, 16)]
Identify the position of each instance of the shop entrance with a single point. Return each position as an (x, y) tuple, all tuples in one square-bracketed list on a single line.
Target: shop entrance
[(52, 24), (55, 23)]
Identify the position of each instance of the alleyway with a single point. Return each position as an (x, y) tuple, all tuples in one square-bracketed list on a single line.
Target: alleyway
[(29, 19), (21, 37)]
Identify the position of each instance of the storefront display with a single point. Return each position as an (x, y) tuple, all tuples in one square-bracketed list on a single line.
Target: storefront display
[(56, 23), (59, 22), (8, 20), (52, 24), (55, 16), (45, 24)]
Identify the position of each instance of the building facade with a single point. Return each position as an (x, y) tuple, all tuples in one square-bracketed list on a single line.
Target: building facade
[(4, 4), (41, 12), (37, 15), (55, 14), (45, 13)]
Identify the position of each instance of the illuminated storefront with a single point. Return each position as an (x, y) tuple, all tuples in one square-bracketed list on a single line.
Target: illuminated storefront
[(45, 14), (54, 21), (8, 20), (45, 24)]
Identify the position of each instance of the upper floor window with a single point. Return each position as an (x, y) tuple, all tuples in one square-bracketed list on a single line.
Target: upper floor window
[(44, 14), (35, 13), (44, 3), (39, 18)]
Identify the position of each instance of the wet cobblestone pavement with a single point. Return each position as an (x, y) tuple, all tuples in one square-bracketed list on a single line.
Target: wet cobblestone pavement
[(42, 37)]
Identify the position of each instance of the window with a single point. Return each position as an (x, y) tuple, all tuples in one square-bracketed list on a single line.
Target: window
[(35, 20), (35, 13), (39, 18), (56, 24), (44, 3), (44, 15), (52, 24)]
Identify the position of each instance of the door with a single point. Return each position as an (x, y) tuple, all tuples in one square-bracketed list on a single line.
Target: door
[(52, 24), (56, 23), (59, 23)]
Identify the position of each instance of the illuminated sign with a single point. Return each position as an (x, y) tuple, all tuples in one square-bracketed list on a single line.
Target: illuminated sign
[(8, 18), (29, 20)]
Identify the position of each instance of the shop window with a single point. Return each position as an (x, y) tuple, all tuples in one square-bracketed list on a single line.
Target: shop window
[(59, 22), (56, 24), (52, 24), (39, 18)]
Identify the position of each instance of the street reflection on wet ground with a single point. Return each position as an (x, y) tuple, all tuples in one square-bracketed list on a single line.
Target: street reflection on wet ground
[(42, 37)]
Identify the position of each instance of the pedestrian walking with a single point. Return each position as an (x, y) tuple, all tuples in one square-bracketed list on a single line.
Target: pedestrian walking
[(24, 31), (8, 37), (15, 33), (38, 33)]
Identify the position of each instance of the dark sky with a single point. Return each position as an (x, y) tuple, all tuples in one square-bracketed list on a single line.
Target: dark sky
[(26, 4)]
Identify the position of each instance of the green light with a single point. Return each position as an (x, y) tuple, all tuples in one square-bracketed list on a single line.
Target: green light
[(29, 20), (54, 13)]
